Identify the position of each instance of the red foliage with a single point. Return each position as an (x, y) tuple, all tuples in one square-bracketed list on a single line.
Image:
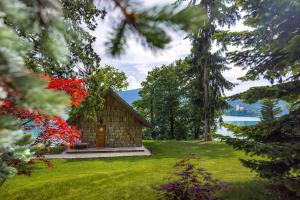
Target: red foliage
[(57, 130), (74, 87), (51, 128)]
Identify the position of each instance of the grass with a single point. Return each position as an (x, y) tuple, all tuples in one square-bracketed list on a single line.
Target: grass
[(133, 177)]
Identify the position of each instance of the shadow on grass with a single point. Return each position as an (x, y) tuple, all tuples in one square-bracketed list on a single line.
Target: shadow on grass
[(251, 190), (174, 149), (179, 149)]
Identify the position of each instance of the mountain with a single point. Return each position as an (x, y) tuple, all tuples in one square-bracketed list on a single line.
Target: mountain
[(130, 95), (238, 107)]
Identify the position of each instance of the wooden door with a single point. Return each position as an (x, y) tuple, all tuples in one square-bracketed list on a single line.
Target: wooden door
[(100, 136)]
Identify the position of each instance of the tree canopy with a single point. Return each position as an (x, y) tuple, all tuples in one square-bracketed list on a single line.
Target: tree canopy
[(98, 82), (169, 101), (163, 100)]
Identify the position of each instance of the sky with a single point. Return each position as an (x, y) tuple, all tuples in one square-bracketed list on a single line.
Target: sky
[(137, 61)]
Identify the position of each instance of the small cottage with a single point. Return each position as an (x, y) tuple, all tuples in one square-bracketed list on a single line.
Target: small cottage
[(118, 125)]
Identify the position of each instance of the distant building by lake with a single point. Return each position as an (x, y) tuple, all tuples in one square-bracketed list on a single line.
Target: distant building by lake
[(239, 107)]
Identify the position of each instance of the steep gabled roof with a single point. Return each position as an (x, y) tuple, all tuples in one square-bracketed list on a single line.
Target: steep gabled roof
[(139, 117)]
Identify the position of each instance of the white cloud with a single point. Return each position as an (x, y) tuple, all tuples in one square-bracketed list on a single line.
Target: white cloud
[(133, 83), (137, 60), (236, 72), (243, 86)]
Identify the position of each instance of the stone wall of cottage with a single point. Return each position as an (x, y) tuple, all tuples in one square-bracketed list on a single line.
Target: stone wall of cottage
[(87, 129), (122, 128)]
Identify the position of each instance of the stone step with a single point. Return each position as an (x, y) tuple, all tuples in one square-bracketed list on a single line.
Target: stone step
[(106, 150)]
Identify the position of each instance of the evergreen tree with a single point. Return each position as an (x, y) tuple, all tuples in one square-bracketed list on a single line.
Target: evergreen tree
[(269, 110), (208, 66), (17, 83), (149, 25), (270, 50)]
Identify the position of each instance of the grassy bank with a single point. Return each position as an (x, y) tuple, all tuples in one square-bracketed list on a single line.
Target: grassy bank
[(132, 177)]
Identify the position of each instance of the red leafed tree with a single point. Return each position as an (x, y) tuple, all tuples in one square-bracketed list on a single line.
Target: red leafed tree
[(51, 128), (74, 87)]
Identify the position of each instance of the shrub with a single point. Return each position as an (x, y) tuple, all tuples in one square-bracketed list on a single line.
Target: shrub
[(58, 149), (190, 183)]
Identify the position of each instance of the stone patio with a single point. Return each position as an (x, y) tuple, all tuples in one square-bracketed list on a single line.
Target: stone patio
[(102, 153)]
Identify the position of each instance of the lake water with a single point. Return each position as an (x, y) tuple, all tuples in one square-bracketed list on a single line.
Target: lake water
[(237, 120), (36, 132)]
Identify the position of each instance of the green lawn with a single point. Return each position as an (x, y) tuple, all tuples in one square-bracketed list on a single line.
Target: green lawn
[(132, 177)]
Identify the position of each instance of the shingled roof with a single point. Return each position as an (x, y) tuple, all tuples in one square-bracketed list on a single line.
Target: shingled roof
[(139, 117)]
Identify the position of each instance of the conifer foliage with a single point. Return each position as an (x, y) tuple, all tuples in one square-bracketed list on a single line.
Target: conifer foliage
[(269, 110), (270, 50), (149, 25), (25, 103), (207, 65)]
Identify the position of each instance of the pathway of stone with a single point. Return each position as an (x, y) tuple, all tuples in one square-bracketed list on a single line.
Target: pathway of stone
[(146, 152)]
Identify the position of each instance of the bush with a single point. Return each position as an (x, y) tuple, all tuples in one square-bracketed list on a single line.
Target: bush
[(190, 183), (51, 150), (147, 135)]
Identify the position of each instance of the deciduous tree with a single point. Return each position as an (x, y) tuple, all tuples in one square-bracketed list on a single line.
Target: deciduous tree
[(166, 100), (98, 81)]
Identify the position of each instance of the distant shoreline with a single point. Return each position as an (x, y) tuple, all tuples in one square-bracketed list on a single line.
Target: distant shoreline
[(229, 118)]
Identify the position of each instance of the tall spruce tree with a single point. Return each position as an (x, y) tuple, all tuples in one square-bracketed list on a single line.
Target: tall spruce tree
[(208, 66), (270, 50)]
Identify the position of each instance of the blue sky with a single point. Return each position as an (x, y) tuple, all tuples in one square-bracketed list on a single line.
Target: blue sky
[(137, 61)]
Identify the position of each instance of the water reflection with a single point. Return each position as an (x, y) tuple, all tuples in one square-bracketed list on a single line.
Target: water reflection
[(237, 120)]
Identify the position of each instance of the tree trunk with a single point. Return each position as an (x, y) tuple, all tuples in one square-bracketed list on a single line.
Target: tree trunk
[(206, 116), (151, 112), (197, 133), (171, 124), (152, 107)]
